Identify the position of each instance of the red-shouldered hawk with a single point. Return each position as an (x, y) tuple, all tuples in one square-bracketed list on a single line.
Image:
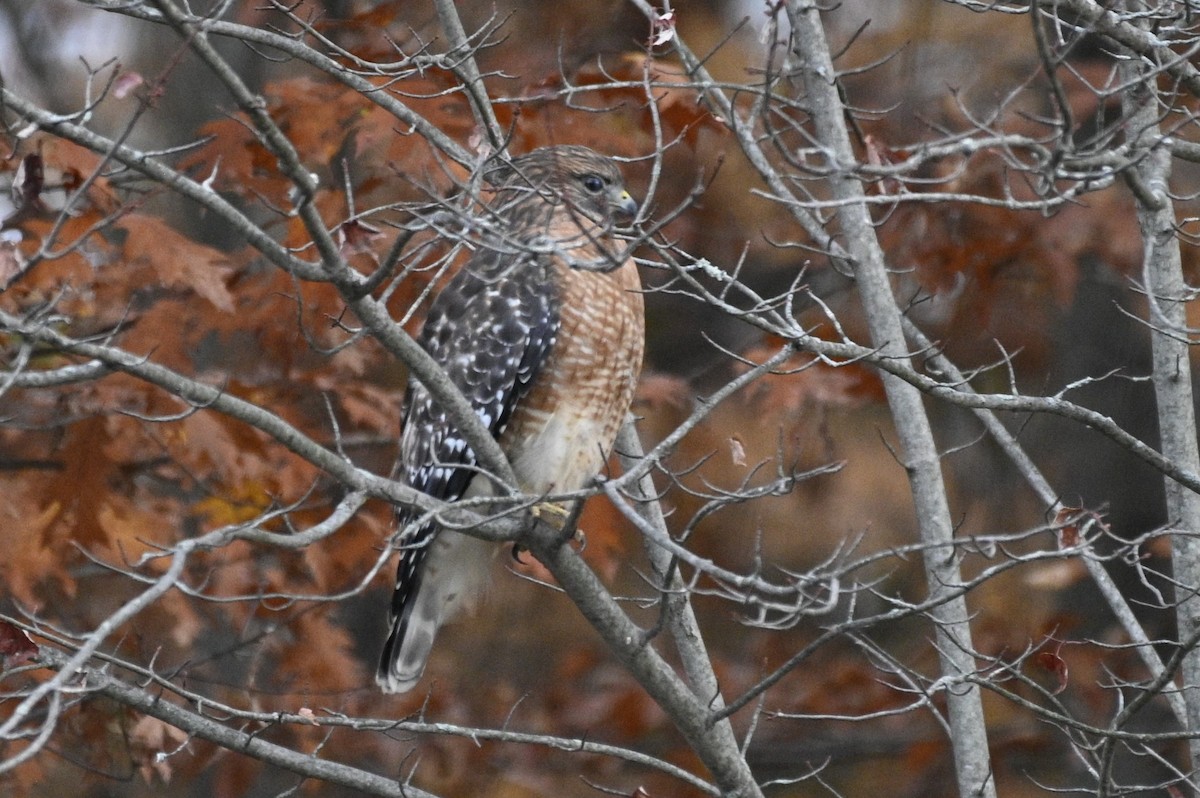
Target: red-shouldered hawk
[(543, 332)]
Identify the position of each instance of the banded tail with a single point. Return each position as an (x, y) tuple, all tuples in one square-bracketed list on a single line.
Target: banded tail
[(434, 582)]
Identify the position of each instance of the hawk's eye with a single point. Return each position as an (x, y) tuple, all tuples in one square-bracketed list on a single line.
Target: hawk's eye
[(593, 183)]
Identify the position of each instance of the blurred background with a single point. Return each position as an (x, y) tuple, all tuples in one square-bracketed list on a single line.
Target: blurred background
[(1053, 291)]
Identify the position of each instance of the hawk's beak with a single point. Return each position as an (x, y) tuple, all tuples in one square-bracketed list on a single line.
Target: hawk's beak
[(625, 203)]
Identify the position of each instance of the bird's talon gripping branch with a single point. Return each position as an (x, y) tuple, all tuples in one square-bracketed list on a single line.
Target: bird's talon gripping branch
[(579, 537)]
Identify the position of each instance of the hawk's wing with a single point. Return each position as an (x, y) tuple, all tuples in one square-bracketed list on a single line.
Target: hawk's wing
[(491, 329)]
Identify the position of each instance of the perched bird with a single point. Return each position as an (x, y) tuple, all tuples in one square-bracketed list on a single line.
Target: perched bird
[(542, 331)]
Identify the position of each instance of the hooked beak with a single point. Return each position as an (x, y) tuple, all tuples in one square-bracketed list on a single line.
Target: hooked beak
[(625, 203)]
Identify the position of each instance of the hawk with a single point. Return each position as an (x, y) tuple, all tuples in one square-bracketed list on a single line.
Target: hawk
[(542, 331)]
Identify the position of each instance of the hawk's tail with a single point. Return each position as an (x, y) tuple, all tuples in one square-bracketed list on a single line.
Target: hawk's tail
[(433, 582), (408, 646), (414, 619)]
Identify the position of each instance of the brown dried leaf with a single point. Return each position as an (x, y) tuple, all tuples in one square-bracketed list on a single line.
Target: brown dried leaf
[(185, 622), (662, 28), (1071, 522), (330, 666), (176, 261), (130, 529), (25, 557), (357, 237), (737, 451), (15, 646), (370, 407), (12, 263), (803, 382), (27, 186), (149, 738), (1054, 664)]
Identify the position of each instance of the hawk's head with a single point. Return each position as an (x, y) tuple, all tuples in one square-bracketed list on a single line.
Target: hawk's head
[(579, 177)]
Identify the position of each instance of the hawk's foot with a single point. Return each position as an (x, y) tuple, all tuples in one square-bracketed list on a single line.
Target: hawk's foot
[(565, 520), (553, 514)]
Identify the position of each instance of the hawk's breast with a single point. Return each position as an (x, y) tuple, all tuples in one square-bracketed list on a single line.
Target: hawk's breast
[(561, 434)]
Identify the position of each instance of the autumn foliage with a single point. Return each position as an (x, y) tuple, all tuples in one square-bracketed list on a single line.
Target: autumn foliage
[(107, 474)]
